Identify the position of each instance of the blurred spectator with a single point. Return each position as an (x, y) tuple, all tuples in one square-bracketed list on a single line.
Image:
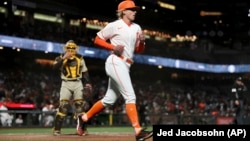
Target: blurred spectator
[(143, 114), (239, 91), (6, 118), (47, 116), (19, 120)]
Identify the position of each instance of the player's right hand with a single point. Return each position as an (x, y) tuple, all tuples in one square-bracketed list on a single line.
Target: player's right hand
[(67, 55), (118, 50)]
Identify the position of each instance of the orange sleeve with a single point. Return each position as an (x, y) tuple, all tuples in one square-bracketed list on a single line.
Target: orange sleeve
[(102, 43), (140, 48)]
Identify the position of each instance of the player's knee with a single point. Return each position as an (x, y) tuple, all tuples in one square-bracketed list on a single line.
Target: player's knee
[(79, 103), (64, 106), (130, 100), (107, 104), (79, 106)]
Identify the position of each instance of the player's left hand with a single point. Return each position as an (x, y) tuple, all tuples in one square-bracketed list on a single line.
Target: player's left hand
[(88, 87), (141, 37), (88, 92)]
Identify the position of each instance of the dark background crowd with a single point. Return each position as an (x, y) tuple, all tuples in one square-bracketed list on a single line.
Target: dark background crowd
[(26, 81)]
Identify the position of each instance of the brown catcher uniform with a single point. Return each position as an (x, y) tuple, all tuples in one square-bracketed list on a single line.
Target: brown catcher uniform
[(73, 69)]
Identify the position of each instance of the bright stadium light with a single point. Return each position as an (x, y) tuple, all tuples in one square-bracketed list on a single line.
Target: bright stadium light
[(166, 5)]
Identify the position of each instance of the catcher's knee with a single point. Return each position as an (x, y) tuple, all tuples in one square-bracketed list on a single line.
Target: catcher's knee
[(63, 107), (79, 106)]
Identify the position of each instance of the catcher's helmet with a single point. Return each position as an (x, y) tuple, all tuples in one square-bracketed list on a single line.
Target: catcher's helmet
[(70, 46), (127, 4)]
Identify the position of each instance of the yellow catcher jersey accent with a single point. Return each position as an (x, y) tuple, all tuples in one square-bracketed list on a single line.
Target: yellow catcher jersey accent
[(72, 68)]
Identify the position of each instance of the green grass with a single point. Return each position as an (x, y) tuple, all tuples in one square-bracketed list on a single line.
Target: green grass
[(65, 130)]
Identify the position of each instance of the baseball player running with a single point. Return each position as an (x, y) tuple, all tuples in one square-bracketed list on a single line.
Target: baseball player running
[(125, 38), (73, 69)]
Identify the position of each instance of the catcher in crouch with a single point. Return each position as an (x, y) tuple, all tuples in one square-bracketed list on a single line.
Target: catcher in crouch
[(73, 69)]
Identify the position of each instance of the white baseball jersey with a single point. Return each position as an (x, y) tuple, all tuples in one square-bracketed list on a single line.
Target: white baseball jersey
[(119, 33)]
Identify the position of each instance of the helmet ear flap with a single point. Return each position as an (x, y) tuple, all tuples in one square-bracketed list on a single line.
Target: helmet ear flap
[(64, 48), (77, 48)]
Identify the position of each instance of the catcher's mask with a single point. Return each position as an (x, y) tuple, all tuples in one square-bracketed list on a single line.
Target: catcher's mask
[(71, 46)]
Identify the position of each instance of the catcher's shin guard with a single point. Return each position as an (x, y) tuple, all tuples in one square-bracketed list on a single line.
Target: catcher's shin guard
[(61, 114), (58, 122)]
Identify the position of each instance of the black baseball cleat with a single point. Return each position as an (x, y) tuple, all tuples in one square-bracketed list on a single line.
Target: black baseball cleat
[(143, 135), (81, 127)]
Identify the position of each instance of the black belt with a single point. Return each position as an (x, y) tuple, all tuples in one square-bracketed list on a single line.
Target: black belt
[(73, 80)]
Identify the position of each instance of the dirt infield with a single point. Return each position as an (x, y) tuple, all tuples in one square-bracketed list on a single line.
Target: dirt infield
[(68, 134), (69, 137)]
